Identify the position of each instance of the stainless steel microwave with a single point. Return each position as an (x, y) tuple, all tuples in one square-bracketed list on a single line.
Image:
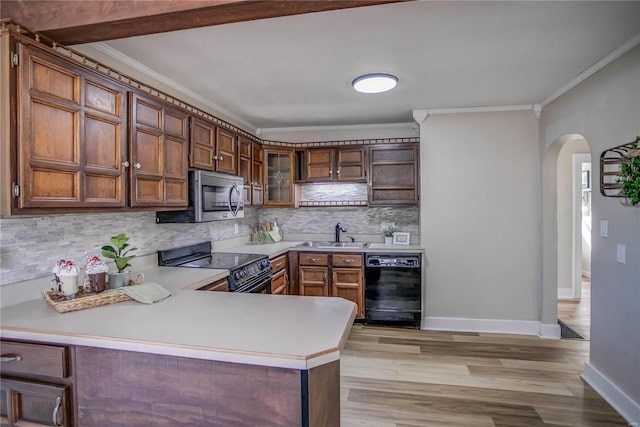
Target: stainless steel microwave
[(212, 197)]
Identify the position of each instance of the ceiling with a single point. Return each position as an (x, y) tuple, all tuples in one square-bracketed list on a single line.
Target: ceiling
[(296, 71)]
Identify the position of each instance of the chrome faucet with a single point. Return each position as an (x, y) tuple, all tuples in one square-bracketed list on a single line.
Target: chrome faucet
[(338, 230)]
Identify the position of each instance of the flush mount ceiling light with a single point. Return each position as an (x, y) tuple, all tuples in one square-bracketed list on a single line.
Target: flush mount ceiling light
[(375, 83)]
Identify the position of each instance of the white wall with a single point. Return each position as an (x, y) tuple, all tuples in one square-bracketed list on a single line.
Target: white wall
[(565, 210), (605, 109), (479, 219)]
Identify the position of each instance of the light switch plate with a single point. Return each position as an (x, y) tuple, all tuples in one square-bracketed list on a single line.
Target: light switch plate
[(604, 228), (621, 254), (236, 229)]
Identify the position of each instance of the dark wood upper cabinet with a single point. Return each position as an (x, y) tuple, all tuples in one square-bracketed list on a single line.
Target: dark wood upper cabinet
[(244, 166), (320, 164), (158, 153), (257, 180), (278, 177), (346, 164), (226, 151), (71, 135), (393, 175), (202, 144), (213, 148), (351, 164), (244, 159)]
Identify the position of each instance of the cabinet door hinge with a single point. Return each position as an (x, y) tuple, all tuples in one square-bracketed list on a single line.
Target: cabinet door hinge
[(16, 190), (15, 59)]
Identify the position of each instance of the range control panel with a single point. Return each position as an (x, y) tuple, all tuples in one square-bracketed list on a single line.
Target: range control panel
[(393, 260)]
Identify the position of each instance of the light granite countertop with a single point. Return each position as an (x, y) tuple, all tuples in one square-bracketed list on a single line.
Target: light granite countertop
[(271, 330)]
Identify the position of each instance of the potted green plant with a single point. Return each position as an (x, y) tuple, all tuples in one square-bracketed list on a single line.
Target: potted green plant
[(388, 231), (119, 252), (630, 173)]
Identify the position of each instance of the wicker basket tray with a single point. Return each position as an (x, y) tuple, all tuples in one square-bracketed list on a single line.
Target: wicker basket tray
[(82, 300)]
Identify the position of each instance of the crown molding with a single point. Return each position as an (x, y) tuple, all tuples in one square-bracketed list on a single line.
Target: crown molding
[(338, 127), (420, 115), (216, 109), (464, 110), (617, 53)]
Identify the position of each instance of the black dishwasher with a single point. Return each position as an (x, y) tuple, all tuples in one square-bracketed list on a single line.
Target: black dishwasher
[(393, 289)]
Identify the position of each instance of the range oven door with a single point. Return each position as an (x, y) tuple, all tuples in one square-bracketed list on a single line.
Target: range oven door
[(262, 287)]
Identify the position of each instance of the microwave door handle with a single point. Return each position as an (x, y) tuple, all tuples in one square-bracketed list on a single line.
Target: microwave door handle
[(234, 212)]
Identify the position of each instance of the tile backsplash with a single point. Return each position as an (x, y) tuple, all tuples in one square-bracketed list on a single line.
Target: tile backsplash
[(356, 220), (30, 246)]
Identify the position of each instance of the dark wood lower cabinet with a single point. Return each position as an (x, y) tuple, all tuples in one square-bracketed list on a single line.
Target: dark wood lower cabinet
[(117, 387), (34, 403)]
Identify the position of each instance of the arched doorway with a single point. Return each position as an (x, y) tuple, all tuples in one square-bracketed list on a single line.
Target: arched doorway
[(562, 214), (574, 237)]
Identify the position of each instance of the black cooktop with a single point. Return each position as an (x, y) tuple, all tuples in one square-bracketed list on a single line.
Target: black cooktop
[(200, 256), (223, 261)]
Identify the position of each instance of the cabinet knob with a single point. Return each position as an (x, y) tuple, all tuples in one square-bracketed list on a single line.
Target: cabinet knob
[(221, 157), (137, 165), (10, 358), (338, 171), (125, 164)]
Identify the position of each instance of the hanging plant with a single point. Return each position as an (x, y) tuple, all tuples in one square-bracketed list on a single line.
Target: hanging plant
[(630, 173)]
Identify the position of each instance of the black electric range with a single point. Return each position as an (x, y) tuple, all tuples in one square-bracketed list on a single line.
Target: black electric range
[(248, 272)]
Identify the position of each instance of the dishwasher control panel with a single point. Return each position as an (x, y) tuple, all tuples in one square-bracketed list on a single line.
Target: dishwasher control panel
[(393, 260)]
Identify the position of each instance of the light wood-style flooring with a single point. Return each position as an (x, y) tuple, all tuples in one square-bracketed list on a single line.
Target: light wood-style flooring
[(393, 377), (577, 313)]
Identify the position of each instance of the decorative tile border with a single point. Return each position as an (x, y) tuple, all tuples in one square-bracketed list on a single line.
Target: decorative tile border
[(408, 140)]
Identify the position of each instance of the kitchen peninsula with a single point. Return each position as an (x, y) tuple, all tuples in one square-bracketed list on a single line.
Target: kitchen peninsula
[(196, 358)]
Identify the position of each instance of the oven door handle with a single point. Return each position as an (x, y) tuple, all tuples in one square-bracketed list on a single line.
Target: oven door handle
[(233, 211), (252, 288)]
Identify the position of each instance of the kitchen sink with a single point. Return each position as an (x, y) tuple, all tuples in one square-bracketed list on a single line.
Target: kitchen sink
[(356, 245), (328, 245)]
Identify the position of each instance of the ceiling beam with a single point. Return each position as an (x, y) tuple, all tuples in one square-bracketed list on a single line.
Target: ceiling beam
[(74, 22)]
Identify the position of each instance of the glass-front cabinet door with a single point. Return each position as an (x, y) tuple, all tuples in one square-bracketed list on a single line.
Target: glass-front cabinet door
[(278, 177)]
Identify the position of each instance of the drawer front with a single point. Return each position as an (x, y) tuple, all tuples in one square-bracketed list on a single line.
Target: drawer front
[(34, 359), (314, 259), (221, 285), (347, 260), (279, 263), (279, 283)]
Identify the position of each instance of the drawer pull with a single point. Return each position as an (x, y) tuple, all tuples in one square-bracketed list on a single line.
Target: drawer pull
[(314, 259), (56, 410), (10, 358), (348, 260)]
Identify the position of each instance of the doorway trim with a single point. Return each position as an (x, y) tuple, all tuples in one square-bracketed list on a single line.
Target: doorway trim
[(576, 269)]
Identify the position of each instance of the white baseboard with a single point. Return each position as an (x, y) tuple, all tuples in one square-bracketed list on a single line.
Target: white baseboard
[(551, 331), (610, 392), (565, 293), (499, 326)]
